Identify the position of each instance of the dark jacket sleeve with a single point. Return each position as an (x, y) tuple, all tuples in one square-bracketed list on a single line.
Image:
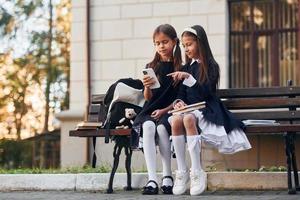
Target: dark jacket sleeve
[(181, 94), (208, 88), (203, 89)]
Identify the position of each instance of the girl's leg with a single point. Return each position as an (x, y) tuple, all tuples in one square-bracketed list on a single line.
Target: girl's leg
[(149, 130), (197, 175), (190, 125), (165, 152), (179, 141), (182, 175)]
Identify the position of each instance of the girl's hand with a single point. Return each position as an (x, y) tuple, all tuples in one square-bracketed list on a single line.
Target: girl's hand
[(179, 104), (178, 76), (147, 81), (156, 114)]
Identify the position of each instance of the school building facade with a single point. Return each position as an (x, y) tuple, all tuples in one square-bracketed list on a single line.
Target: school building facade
[(256, 44)]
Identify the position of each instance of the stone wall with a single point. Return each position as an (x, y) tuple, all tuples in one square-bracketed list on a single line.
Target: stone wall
[(121, 45)]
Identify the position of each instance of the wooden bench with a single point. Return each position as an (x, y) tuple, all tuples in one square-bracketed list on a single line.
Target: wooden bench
[(275, 103), (96, 113)]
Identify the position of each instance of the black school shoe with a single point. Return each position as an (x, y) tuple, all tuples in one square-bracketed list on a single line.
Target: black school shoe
[(167, 189), (149, 190)]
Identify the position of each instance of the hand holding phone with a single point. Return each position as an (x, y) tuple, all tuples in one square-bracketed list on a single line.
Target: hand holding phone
[(151, 74)]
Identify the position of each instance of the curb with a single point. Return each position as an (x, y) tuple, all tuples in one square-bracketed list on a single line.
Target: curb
[(37, 182), (98, 182)]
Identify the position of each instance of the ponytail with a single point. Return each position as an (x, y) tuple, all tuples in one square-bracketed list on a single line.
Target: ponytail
[(177, 56)]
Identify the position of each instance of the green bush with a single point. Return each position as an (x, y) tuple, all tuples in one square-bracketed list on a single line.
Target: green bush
[(15, 154)]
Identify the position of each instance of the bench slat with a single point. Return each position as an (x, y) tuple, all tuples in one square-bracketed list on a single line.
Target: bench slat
[(97, 98), (99, 133), (93, 118), (260, 129), (257, 103), (276, 115), (94, 109), (252, 130), (258, 92)]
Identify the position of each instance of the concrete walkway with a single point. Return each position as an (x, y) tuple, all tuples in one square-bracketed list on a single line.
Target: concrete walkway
[(98, 182), (72, 195)]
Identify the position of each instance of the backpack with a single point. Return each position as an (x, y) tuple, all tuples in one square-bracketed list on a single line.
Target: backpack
[(123, 101)]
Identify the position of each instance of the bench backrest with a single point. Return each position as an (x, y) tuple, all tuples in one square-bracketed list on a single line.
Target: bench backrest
[(95, 109), (278, 103)]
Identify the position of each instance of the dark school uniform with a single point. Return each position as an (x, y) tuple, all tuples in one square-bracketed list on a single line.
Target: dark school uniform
[(162, 97), (214, 111), (217, 126)]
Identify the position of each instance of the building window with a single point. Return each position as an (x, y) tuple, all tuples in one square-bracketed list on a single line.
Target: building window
[(264, 43)]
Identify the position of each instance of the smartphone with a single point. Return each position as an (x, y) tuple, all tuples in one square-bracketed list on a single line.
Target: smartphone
[(150, 72)]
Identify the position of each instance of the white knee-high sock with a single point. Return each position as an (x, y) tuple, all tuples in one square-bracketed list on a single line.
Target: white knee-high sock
[(194, 150), (149, 130), (165, 152), (179, 147)]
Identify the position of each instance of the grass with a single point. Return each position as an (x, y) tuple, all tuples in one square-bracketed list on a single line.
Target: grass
[(106, 168), (70, 170), (262, 169)]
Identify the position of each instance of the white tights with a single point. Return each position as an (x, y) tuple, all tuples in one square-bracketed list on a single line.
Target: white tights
[(149, 130), (194, 149)]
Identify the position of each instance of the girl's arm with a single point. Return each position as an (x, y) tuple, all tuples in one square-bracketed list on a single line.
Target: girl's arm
[(181, 94), (178, 77), (147, 82), (209, 87), (147, 93), (202, 88), (166, 109), (156, 114), (206, 89)]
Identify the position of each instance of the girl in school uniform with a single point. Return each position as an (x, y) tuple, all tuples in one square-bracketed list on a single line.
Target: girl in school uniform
[(152, 122), (213, 124)]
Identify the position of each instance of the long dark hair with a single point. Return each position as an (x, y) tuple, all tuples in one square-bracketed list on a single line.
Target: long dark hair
[(209, 71), (169, 31)]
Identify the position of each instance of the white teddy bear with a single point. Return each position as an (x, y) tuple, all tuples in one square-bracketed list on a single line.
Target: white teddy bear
[(128, 119)]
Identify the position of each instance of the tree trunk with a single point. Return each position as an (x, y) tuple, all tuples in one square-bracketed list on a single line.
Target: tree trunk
[(49, 68), (18, 127), (42, 154), (22, 112)]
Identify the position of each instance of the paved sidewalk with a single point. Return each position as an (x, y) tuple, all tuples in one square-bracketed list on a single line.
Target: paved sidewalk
[(126, 195), (216, 181)]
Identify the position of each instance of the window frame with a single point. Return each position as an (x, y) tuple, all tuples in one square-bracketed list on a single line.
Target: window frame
[(253, 34)]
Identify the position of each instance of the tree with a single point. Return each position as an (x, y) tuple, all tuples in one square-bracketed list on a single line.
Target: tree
[(56, 66), (19, 77), (45, 59), (57, 69)]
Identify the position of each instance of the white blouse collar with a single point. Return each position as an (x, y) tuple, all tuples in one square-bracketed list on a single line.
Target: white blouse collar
[(195, 60)]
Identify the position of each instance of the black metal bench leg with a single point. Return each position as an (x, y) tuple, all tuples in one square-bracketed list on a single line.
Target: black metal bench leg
[(289, 161), (128, 153), (294, 162), (94, 160), (116, 154)]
